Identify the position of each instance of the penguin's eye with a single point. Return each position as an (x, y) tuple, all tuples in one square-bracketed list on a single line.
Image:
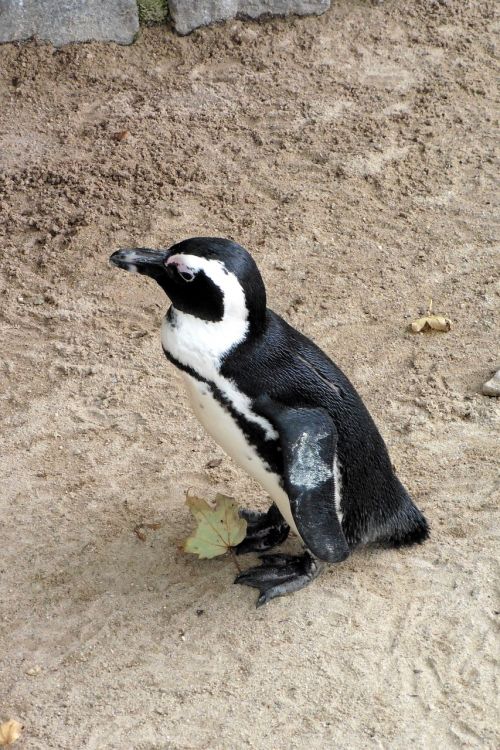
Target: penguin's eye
[(186, 275)]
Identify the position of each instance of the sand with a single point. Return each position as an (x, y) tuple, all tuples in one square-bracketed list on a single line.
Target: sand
[(353, 155)]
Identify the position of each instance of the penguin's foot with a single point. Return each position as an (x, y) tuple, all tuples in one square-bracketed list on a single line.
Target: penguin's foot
[(264, 530), (281, 574)]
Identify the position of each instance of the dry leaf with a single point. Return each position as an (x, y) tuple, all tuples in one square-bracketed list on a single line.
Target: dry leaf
[(430, 322), (140, 533), (139, 529), (34, 671), (219, 529), (10, 731)]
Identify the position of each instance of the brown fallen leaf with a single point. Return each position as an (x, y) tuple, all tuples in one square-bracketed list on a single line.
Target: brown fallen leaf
[(10, 731), (139, 532), (139, 529), (120, 135), (430, 322)]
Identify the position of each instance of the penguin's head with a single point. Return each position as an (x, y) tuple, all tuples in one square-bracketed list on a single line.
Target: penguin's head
[(208, 277)]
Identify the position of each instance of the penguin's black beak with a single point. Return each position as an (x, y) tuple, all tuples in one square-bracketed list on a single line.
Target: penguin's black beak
[(141, 260)]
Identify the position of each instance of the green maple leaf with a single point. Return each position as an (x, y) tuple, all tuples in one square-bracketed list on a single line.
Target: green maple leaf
[(219, 529)]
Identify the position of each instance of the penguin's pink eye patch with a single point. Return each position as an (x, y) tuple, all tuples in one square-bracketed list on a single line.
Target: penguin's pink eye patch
[(184, 271)]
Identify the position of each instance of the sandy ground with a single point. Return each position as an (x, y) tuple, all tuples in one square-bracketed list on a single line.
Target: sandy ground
[(353, 155)]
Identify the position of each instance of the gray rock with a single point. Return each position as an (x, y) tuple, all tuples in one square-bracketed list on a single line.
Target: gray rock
[(190, 14), (63, 21), (492, 386)]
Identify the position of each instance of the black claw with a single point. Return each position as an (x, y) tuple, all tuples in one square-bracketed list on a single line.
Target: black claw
[(262, 577), (264, 530), (279, 575), (256, 543), (279, 560), (251, 516)]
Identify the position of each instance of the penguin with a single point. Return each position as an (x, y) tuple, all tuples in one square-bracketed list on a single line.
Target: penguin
[(283, 411)]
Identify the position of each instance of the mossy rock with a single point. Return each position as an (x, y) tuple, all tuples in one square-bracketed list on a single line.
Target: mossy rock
[(152, 11)]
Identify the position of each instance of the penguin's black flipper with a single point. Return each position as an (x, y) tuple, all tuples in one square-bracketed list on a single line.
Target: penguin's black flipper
[(308, 442)]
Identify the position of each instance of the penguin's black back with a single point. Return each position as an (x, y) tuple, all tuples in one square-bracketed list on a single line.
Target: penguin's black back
[(286, 365)]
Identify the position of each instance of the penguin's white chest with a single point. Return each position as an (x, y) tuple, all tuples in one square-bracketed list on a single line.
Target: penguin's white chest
[(219, 423), (200, 345)]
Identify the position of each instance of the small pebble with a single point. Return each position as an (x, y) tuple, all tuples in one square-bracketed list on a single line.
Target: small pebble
[(213, 463), (492, 386)]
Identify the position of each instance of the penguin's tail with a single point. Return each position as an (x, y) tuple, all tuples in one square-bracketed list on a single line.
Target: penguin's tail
[(408, 526), (415, 531)]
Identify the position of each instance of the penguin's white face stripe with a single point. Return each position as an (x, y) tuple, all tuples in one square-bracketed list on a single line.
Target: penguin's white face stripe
[(201, 344), (198, 343), (234, 296)]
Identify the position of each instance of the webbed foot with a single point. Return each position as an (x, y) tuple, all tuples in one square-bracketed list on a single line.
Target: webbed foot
[(264, 530), (281, 574)]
